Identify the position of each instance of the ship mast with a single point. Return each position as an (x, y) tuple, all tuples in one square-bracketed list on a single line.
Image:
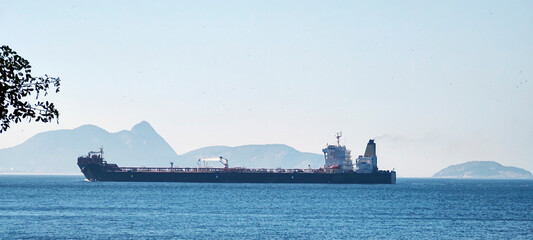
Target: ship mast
[(339, 135)]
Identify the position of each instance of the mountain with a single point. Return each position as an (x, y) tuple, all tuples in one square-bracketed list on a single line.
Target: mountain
[(483, 169), (256, 156), (57, 151)]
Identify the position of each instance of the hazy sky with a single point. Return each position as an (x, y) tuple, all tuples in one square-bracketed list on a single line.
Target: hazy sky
[(435, 82)]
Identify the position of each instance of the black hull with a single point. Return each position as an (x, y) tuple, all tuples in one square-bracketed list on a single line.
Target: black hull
[(94, 172)]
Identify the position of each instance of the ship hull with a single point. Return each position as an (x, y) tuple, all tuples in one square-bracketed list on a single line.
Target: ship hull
[(95, 172)]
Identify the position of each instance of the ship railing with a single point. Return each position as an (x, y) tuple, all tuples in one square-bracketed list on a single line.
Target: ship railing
[(156, 169), (207, 170)]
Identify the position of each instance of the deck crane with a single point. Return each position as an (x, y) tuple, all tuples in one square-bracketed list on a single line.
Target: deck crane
[(216, 159)]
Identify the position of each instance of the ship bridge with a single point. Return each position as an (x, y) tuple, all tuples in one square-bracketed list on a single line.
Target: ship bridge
[(337, 157)]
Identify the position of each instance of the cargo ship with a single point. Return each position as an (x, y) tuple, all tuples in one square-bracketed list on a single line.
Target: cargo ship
[(338, 168)]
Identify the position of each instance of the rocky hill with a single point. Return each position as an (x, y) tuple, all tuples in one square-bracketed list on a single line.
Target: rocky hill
[(57, 151)]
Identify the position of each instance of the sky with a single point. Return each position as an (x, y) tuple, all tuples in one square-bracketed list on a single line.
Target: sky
[(435, 83)]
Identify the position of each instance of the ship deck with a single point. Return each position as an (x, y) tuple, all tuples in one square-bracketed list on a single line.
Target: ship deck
[(228, 170), (215, 170)]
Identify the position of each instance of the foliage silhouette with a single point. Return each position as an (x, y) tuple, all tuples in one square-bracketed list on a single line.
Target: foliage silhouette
[(17, 86)]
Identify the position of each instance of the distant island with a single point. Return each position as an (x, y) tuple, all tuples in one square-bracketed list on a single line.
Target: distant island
[(483, 170)]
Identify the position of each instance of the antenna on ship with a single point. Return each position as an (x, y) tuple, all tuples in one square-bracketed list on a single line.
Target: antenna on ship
[(102, 152), (339, 135)]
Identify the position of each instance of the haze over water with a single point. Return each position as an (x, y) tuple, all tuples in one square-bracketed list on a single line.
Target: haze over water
[(68, 207), (435, 82)]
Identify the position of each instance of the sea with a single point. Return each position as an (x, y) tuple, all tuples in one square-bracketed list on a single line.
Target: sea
[(67, 207)]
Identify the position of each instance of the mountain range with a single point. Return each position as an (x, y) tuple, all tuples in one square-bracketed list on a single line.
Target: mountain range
[(483, 170), (57, 151)]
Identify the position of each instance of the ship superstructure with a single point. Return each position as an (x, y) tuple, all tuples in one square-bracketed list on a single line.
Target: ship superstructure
[(367, 163), (338, 168), (337, 157)]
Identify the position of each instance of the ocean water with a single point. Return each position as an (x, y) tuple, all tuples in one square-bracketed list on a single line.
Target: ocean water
[(67, 207)]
